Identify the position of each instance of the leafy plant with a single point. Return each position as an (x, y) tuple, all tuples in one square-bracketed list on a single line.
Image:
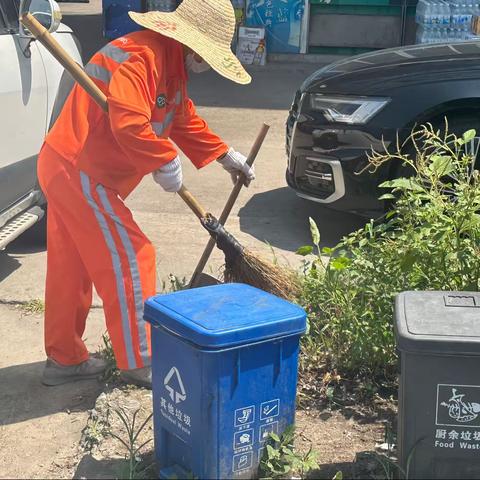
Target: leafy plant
[(280, 459), (429, 241), (106, 352), (133, 459), (174, 284), (96, 429)]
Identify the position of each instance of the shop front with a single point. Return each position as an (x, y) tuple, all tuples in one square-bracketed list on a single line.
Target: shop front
[(330, 27)]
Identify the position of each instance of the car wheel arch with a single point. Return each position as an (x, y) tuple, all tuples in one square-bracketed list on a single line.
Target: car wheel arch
[(462, 109)]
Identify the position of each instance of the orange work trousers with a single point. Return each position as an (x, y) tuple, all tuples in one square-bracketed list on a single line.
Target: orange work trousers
[(93, 239)]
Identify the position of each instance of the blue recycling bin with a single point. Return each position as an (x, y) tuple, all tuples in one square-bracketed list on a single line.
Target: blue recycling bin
[(225, 361)]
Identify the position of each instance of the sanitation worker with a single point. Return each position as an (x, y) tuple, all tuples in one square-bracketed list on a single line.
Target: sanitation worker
[(92, 160)]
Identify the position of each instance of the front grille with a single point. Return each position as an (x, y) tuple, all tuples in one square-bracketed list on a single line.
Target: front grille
[(315, 177)]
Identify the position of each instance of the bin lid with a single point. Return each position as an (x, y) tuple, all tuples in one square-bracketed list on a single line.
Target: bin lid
[(445, 323), (225, 315)]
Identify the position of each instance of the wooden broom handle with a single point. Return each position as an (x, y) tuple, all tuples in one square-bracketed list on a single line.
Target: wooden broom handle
[(192, 202), (77, 72), (238, 186), (230, 203)]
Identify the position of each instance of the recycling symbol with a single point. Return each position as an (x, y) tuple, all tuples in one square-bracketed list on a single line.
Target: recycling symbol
[(174, 384)]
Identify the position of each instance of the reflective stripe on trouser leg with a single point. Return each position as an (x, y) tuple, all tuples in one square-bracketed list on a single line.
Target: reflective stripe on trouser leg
[(134, 272), (117, 268)]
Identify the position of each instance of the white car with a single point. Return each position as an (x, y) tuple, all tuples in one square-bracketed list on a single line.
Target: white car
[(33, 89)]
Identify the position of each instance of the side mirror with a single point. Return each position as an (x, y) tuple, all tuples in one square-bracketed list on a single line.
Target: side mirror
[(47, 12)]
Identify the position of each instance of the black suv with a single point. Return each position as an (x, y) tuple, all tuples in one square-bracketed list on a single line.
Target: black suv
[(347, 108)]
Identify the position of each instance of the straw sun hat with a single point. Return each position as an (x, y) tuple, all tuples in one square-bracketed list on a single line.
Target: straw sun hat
[(205, 26)]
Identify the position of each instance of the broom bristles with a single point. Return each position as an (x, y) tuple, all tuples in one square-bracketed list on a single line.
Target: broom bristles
[(253, 270)]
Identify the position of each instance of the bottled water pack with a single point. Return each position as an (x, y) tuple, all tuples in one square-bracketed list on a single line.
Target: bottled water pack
[(442, 21)]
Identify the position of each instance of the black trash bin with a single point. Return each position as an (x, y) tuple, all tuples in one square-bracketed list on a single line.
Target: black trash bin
[(438, 336)]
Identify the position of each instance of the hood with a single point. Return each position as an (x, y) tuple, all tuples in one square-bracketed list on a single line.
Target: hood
[(379, 69)]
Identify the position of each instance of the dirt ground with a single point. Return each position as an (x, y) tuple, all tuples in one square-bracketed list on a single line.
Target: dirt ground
[(64, 432), (344, 443)]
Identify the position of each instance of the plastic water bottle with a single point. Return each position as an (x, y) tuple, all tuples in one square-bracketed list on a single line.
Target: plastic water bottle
[(445, 14), (420, 12), (419, 34), (433, 12), (466, 15), (435, 9), (454, 16), (428, 17), (429, 35)]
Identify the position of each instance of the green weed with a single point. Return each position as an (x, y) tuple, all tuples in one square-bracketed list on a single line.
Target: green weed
[(133, 468), (106, 352), (33, 307), (280, 459), (95, 430), (174, 284)]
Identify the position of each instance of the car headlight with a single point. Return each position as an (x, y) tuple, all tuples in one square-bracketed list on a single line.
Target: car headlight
[(352, 110)]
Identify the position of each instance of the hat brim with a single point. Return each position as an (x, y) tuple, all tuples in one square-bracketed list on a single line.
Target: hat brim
[(219, 57)]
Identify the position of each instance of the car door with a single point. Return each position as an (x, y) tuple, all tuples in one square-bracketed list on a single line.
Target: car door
[(23, 113)]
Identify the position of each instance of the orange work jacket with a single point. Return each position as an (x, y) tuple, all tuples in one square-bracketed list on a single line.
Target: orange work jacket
[(144, 78)]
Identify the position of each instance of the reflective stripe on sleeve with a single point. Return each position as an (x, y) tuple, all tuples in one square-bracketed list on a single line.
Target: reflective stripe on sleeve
[(98, 72), (115, 53), (101, 73)]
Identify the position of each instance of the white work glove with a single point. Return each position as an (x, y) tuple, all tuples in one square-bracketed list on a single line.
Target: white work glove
[(235, 164), (170, 176)]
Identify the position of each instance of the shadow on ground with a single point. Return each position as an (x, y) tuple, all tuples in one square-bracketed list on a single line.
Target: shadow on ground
[(34, 240), (27, 243), (273, 87), (280, 218), (23, 396), (8, 264), (366, 465), (91, 468)]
